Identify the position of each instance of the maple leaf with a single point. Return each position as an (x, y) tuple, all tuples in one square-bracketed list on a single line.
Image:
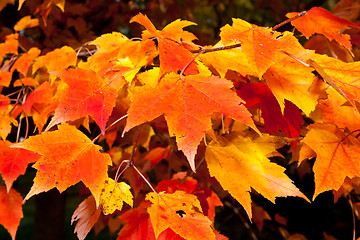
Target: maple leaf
[(259, 44), (172, 53), (334, 110), (187, 104), (86, 215), (5, 78), (5, 119), (163, 214), (208, 199), (138, 225), (118, 58), (23, 63), (337, 157), (26, 22), (39, 98), (13, 162), (326, 23), (28, 81), (231, 59), (10, 45), (344, 77), (274, 120), (10, 210), (247, 154), (293, 81), (113, 195), (85, 94), (67, 157), (65, 57)]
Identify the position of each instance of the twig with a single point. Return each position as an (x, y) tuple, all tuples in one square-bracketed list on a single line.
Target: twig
[(118, 120), (353, 215), (289, 20), (215, 49)]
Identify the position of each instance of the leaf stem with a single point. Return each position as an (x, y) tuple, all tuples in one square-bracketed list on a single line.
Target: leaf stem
[(117, 175), (188, 64), (118, 120), (144, 178), (289, 20)]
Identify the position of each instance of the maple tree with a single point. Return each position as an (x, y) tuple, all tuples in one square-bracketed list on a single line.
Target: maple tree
[(159, 130)]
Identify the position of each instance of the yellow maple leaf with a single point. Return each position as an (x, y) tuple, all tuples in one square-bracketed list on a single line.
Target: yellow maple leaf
[(247, 156), (114, 195)]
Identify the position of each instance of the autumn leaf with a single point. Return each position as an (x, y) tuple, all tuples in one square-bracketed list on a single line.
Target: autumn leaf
[(247, 154), (291, 80), (26, 22), (326, 23), (85, 94), (113, 195), (259, 44), (138, 225), (39, 98), (187, 104), (23, 63), (334, 110), (345, 76), (260, 94), (67, 157), (10, 210), (5, 78), (86, 215), (118, 59), (10, 45), (190, 224), (172, 53), (336, 157), (5, 118), (28, 81), (180, 181), (65, 57), (231, 59), (13, 162)]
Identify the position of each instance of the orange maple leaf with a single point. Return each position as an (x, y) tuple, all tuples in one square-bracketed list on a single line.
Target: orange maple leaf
[(191, 225), (67, 157), (26, 22), (173, 54), (247, 154), (85, 94), (10, 210), (187, 104), (319, 20), (10, 45), (65, 57), (334, 110), (337, 157), (5, 118), (23, 63)]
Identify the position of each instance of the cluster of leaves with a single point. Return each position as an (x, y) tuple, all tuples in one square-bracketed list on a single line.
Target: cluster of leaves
[(221, 111)]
